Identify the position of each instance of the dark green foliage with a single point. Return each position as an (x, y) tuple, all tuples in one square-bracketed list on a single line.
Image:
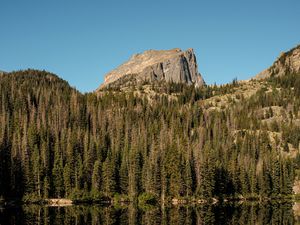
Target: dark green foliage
[(56, 142), (147, 198)]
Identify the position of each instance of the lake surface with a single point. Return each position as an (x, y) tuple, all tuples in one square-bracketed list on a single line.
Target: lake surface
[(237, 213)]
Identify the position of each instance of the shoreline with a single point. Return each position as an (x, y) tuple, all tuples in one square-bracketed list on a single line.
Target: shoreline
[(64, 202)]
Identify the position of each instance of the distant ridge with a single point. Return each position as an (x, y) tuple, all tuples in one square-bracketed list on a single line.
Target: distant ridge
[(287, 62)]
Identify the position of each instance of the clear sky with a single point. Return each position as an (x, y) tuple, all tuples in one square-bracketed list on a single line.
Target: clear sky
[(82, 40)]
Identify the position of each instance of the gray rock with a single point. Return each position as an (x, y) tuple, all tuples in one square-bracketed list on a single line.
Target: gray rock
[(156, 65)]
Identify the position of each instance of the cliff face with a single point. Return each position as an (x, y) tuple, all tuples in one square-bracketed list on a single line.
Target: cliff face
[(288, 62), (169, 65)]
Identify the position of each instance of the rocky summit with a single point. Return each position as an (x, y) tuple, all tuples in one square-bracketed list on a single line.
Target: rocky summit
[(287, 62), (172, 65)]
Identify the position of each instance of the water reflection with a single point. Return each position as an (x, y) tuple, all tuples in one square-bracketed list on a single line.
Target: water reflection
[(245, 213)]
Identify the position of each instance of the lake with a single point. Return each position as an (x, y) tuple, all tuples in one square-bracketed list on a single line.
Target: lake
[(226, 213)]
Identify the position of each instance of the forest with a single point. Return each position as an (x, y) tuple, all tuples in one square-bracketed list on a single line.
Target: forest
[(56, 142)]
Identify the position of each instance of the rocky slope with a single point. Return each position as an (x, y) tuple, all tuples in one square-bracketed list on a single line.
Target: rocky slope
[(168, 65), (288, 62)]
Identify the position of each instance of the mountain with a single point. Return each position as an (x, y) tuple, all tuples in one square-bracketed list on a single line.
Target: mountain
[(150, 142), (156, 65), (287, 62)]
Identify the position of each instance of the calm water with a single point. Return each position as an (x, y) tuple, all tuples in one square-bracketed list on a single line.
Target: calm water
[(246, 213)]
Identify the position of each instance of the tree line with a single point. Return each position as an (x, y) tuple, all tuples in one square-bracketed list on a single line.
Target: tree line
[(57, 142)]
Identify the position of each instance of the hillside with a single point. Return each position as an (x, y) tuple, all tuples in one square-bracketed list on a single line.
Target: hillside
[(152, 141)]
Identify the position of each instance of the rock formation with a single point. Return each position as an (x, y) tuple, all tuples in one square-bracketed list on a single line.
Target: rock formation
[(169, 65), (288, 62)]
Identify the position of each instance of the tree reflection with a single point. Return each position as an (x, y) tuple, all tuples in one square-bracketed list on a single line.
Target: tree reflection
[(230, 213)]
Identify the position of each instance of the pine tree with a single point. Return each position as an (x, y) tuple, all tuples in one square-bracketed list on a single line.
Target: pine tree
[(57, 177), (46, 189), (96, 177), (124, 176), (109, 177)]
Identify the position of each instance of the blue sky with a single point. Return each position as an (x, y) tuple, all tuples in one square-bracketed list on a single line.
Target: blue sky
[(82, 40)]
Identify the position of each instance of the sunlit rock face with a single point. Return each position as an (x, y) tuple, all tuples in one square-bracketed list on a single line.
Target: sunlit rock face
[(172, 65), (288, 62)]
